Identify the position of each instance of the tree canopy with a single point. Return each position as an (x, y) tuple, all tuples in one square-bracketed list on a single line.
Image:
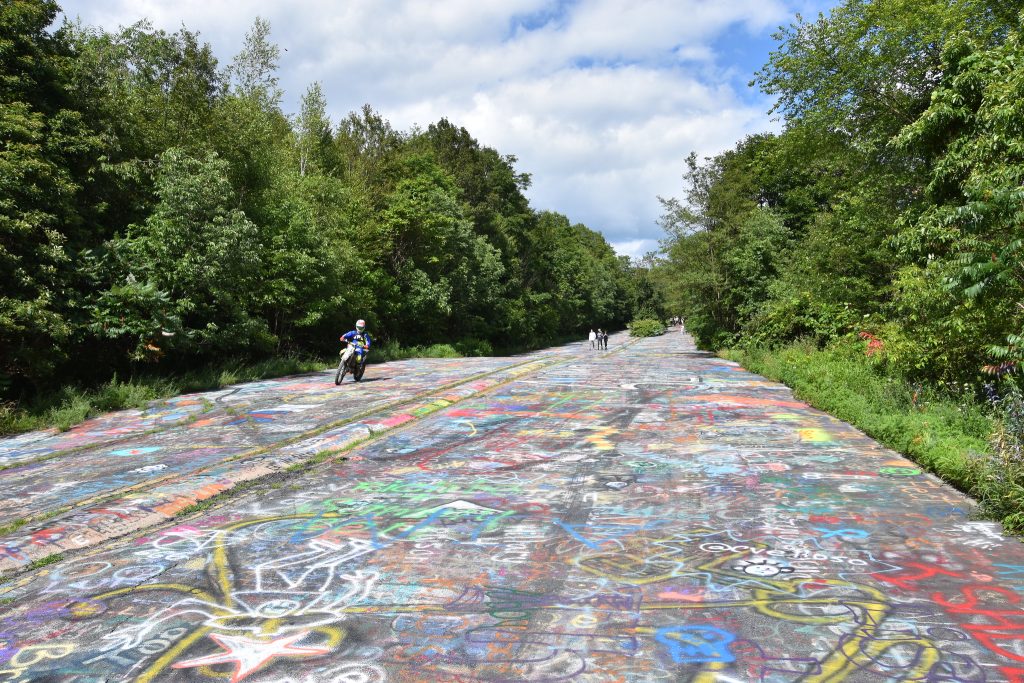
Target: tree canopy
[(160, 208)]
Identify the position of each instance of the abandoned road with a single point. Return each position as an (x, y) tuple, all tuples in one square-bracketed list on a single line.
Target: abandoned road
[(651, 513)]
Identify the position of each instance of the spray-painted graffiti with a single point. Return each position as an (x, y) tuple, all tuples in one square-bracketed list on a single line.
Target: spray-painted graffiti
[(185, 470), (672, 518), (231, 422)]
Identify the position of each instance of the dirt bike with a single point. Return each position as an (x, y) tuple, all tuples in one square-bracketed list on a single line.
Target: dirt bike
[(349, 363)]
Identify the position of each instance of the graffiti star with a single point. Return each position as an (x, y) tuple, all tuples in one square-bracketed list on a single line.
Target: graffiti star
[(250, 655)]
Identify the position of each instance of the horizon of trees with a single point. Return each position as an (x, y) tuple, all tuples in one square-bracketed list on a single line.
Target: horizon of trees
[(160, 208)]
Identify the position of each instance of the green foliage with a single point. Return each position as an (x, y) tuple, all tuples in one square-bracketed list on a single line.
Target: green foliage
[(313, 134), (46, 146), (646, 293), (646, 328), (971, 229), (430, 248), (999, 473), (932, 333), (44, 561), (475, 347), (199, 260), (394, 351), (879, 209), (868, 68), (163, 212), (6, 530)]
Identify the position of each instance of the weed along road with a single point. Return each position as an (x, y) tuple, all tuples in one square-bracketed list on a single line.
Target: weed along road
[(646, 514)]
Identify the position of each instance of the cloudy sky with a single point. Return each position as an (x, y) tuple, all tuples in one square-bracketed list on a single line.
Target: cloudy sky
[(601, 100)]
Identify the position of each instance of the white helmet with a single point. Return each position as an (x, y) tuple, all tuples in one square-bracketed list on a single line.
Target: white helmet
[(360, 325)]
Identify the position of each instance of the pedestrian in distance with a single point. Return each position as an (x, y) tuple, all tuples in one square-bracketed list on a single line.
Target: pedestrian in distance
[(604, 340), (593, 338), (600, 336)]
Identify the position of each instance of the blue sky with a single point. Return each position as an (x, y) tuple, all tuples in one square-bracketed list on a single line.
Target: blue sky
[(600, 100)]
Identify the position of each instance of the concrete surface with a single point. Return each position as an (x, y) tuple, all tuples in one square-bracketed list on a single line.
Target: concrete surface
[(651, 514)]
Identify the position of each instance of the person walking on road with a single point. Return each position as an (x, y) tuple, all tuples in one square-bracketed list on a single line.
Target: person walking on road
[(604, 339), (600, 336), (593, 338)]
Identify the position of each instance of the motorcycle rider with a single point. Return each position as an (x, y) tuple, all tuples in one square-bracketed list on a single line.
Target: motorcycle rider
[(360, 341)]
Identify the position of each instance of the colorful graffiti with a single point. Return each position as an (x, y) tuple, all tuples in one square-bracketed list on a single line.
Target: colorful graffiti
[(220, 425), (652, 515), (145, 480)]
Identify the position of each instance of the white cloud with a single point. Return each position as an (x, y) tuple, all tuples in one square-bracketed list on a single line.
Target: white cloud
[(635, 248), (600, 100)]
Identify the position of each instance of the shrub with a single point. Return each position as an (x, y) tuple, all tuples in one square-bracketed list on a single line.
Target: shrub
[(475, 347), (392, 350), (646, 327)]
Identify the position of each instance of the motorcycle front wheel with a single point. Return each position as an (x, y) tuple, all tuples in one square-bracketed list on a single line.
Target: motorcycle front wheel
[(340, 374)]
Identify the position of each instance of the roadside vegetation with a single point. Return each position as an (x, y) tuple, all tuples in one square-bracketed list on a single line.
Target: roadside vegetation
[(869, 254), (998, 474), (646, 327), (470, 347), (162, 214)]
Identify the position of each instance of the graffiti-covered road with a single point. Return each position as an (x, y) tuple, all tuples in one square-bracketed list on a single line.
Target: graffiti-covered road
[(654, 514), (123, 472)]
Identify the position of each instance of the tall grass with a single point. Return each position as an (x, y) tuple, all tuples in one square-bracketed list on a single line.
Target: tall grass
[(1000, 472), (395, 351)]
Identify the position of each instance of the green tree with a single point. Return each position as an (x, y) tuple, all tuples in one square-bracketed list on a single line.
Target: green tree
[(313, 131), (253, 71), (427, 236), (194, 265), (146, 91), (46, 152), (646, 291), (161, 207), (868, 68), (966, 246), (368, 150)]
